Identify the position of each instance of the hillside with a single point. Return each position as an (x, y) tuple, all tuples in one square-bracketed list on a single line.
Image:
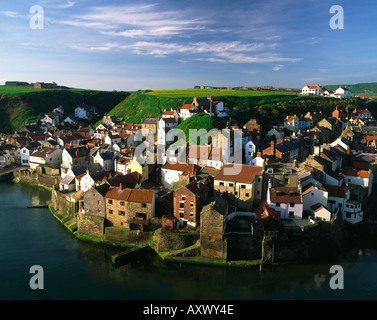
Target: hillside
[(269, 108), (142, 104), (366, 88), (18, 107)]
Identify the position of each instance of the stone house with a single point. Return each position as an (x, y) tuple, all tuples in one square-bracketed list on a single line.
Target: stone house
[(242, 183), (76, 156), (129, 207), (92, 211), (212, 225), (150, 124), (45, 157), (188, 202)]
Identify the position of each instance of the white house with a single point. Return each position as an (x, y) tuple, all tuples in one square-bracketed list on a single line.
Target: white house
[(105, 159), (250, 150), (321, 212), (46, 156), (286, 201), (342, 93), (187, 111), (121, 165), (170, 173), (339, 203), (313, 195), (315, 90), (25, 154), (163, 127), (291, 123), (86, 180), (361, 178), (112, 138)]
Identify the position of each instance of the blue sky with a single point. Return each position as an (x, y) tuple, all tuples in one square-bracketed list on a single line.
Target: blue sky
[(130, 45)]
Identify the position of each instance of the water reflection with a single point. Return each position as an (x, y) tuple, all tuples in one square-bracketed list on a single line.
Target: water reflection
[(77, 269)]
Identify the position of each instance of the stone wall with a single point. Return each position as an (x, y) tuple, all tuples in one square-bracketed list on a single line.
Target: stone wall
[(35, 178), (170, 240), (90, 225), (212, 244), (63, 204)]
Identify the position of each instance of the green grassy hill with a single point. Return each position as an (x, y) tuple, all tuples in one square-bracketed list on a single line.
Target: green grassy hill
[(268, 107), (19, 106), (367, 88)]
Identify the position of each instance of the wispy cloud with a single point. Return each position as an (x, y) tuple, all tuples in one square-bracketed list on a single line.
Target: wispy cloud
[(278, 67), (58, 4), (136, 21), (10, 14)]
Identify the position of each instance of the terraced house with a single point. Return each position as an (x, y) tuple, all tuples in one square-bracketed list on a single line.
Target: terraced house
[(243, 186), (129, 207)]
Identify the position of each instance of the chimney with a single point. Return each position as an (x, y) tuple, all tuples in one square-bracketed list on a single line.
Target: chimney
[(295, 163), (121, 187)]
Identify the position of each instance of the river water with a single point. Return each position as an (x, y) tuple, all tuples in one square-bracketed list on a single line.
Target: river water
[(74, 269)]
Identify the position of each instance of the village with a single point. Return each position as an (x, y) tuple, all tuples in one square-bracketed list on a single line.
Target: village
[(309, 171)]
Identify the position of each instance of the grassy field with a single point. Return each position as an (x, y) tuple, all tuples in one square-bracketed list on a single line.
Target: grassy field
[(22, 90), (200, 93), (366, 88)]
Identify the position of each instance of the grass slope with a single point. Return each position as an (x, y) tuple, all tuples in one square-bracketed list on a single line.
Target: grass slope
[(18, 108), (366, 88)]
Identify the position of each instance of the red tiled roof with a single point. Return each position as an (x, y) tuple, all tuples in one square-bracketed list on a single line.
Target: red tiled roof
[(186, 106), (285, 195), (247, 173), (356, 173)]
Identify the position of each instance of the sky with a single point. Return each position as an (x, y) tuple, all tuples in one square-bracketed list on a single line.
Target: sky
[(131, 45)]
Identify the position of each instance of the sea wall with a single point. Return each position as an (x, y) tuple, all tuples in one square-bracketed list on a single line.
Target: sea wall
[(29, 177), (62, 203), (171, 241)]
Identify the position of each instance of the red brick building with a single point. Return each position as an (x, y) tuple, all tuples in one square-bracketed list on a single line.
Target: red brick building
[(188, 202)]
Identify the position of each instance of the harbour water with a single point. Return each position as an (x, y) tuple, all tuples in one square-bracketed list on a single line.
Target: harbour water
[(79, 270)]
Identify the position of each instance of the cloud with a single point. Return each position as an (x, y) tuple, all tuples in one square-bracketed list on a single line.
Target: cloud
[(278, 67), (10, 14), (58, 4), (136, 21)]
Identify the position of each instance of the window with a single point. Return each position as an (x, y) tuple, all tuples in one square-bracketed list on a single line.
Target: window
[(191, 214), (278, 204), (221, 184), (183, 197), (230, 184), (192, 204), (181, 205), (141, 215), (143, 205), (243, 186), (286, 180), (122, 203), (110, 201), (99, 201), (291, 205), (121, 213), (181, 214), (110, 211), (291, 214), (247, 194)]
